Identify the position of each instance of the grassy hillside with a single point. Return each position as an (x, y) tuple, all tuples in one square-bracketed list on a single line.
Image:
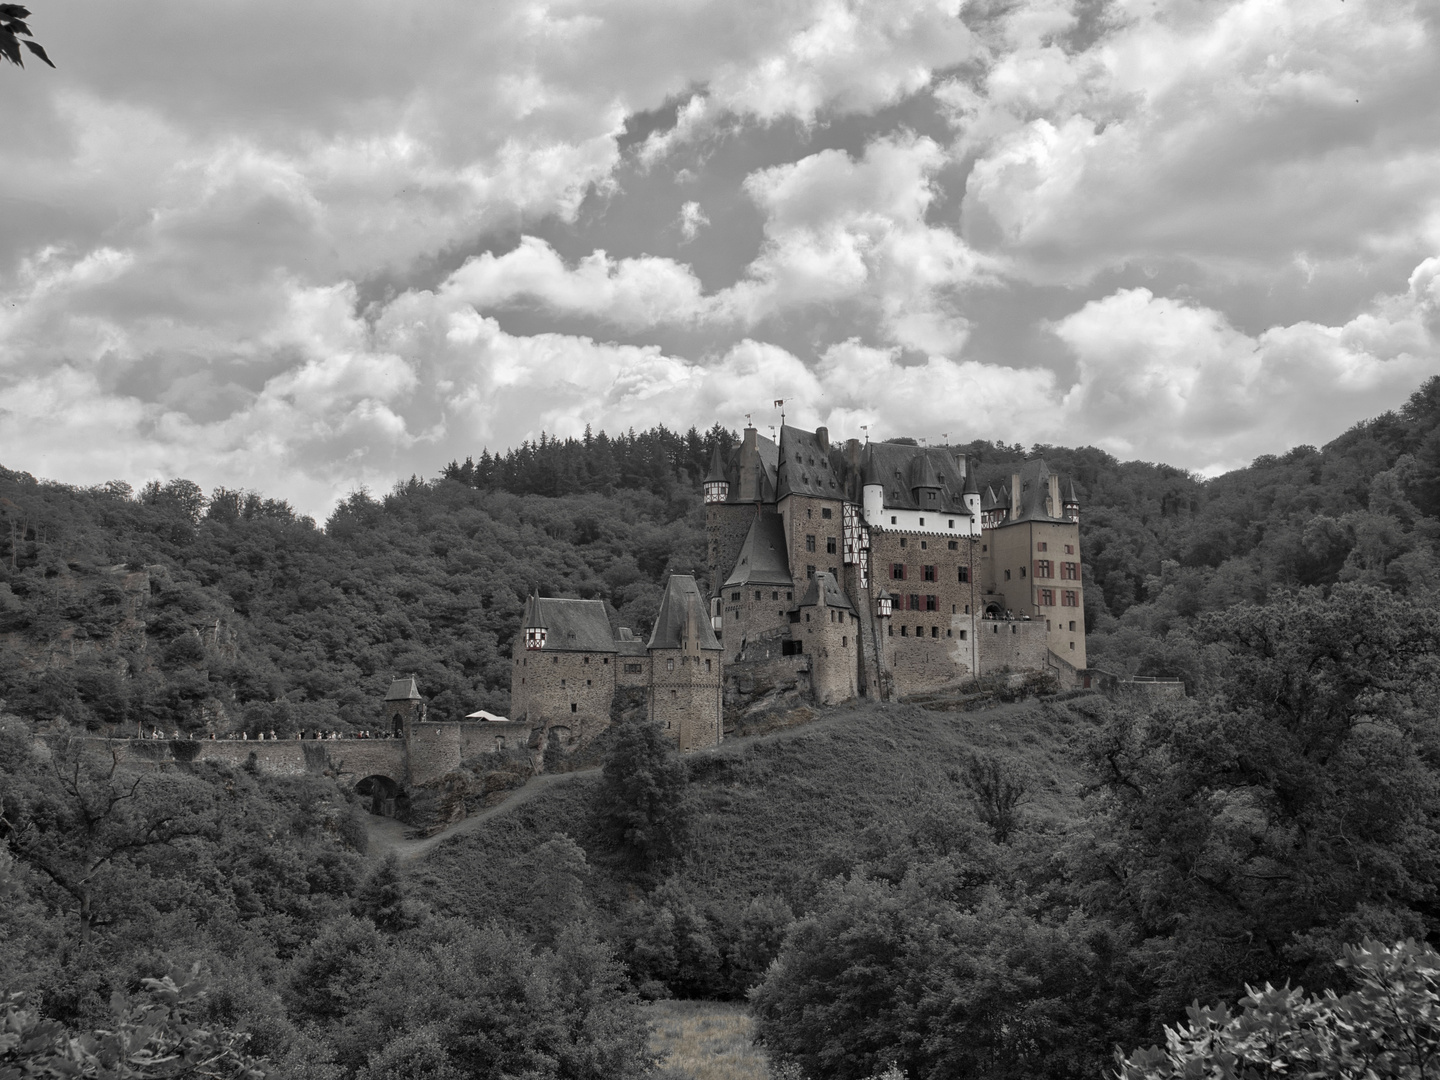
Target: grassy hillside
[(776, 815)]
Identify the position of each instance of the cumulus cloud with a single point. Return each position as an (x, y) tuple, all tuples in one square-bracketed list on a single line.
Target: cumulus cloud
[(247, 256), (1172, 381)]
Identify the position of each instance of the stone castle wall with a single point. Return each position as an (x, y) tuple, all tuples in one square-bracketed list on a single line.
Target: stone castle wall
[(804, 517), (832, 638), (760, 612), (565, 689), (1017, 644)]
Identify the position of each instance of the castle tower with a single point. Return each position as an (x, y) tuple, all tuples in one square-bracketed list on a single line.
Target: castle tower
[(971, 495), (404, 708), (830, 631), (685, 668), (717, 487), (1072, 504), (872, 488), (533, 627)]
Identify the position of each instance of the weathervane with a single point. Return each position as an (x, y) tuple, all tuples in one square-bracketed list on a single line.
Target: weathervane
[(780, 404), (866, 429)]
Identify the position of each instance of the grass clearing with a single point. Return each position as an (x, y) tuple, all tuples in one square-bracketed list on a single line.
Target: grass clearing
[(767, 811), (705, 1040)]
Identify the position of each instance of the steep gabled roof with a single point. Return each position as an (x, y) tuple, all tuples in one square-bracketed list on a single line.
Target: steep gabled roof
[(834, 595), (988, 501), (1034, 489), (763, 559), (573, 625), (683, 611), (403, 690), (807, 467)]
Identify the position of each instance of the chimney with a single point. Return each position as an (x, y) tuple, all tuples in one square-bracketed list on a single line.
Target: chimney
[(749, 463), (1015, 496), (822, 436), (1053, 507)]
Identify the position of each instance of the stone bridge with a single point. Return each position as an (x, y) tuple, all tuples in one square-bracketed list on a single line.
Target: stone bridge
[(382, 768)]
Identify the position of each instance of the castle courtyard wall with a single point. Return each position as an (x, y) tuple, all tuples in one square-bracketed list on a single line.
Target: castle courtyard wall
[(1016, 644)]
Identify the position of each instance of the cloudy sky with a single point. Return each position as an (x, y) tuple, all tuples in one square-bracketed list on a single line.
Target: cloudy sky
[(306, 246)]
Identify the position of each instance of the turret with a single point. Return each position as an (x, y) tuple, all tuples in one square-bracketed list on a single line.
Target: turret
[(884, 603), (1072, 504), (717, 488), (971, 495), (534, 624), (987, 508), (873, 489)]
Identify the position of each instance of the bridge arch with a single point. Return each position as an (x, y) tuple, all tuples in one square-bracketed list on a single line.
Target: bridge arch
[(384, 796)]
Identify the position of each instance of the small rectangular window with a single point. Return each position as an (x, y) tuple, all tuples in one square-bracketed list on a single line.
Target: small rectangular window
[(1069, 549), (573, 707), (934, 631), (830, 545), (634, 669), (954, 545), (790, 648), (964, 573), (735, 598), (928, 573), (1007, 575), (809, 541), (962, 635), (1040, 545), (757, 594), (897, 571), (952, 523), (892, 519), (915, 602), (827, 513), (932, 603), (809, 570), (904, 631)]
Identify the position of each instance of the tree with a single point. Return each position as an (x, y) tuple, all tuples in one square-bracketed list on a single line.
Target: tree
[(998, 790), (156, 1036), (1248, 835), (79, 822), (1389, 1026), (13, 28), (640, 802)]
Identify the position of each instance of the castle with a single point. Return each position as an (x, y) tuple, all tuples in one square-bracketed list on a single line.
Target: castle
[(876, 570)]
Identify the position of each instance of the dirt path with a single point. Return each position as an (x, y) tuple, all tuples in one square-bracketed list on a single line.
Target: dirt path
[(388, 835)]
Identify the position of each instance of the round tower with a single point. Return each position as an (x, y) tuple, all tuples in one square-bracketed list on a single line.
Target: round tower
[(872, 491), (717, 488), (534, 625), (1072, 504), (971, 496)]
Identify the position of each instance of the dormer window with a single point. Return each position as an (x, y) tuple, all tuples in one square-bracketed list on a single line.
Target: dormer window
[(535, 637)]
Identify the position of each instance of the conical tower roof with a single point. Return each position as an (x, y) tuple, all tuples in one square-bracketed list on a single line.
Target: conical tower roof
[(870, 471), (988, 500), (533, 619), (716, 475), (1071, 499), (971, 487)]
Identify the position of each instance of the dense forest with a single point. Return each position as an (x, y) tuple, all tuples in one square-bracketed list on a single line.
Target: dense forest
[(1010, 893), (168, 608)]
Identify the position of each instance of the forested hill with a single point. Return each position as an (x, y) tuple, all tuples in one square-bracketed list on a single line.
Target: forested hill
[(170, 608)]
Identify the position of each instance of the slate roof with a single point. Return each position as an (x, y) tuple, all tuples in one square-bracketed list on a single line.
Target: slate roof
[(681, 604), (808, 468), (769, 454), (627, 644), (1034, 487), (834, 594), (717, 467), (403, 690), (763, 559), (573, 625), (899, 468)]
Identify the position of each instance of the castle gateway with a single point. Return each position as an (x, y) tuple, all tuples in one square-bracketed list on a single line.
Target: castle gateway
[(876, 570)]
